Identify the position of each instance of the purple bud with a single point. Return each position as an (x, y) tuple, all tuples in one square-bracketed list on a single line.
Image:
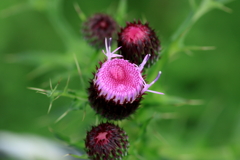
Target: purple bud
[(101, 142), (137, 41), (97, 27)]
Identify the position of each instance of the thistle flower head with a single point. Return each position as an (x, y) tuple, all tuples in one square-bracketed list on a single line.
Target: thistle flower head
[(137, 41), (118, 86), (97, 27), (106, 141)]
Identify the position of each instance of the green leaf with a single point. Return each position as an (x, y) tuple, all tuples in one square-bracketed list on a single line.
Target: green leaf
[(121, 11), (61, 137), (143, 128)]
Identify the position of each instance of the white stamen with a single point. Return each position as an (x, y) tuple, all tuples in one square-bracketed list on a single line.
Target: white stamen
[(154, 92), (144, 62), (109, 44), (108, 52), (149, 85), (117, 50)]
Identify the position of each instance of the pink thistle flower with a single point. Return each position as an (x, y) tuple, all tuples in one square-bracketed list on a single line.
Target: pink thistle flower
[(137, 41), (118, 86), (106, 141), (97, 27)]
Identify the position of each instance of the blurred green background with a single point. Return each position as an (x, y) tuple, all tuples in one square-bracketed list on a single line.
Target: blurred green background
[(209, 130)]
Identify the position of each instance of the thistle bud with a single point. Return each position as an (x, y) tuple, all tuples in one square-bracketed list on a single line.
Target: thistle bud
[(106, 142), (138, 40), (97, 27)]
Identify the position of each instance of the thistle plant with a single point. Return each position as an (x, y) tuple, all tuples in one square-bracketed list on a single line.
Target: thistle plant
[(114, 94)]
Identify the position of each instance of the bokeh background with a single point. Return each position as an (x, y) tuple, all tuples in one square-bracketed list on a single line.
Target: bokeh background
[(209, 129)]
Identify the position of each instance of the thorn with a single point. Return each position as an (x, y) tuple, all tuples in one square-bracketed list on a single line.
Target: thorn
[(79, 69), (49, 108), (62, 116), (37, 89), (84, 115), (77, 8), (66, 87), (50, 84)]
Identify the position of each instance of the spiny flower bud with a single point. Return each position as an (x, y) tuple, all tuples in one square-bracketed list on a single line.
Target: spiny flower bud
[(97, 27), (137, 41), (106, 142), (117, 88)]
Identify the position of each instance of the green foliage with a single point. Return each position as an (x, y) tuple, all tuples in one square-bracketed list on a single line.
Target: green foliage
[(166, 127)]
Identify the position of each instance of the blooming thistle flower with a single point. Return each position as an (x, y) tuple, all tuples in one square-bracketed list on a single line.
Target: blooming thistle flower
[(118, 86), (137, 41), (106, 141), (97, 27)]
